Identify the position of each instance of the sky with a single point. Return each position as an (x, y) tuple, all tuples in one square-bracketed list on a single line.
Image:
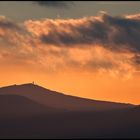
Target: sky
[(89, 49)]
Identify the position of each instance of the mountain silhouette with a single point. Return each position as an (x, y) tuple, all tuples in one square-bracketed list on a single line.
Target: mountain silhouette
[(13, 106), (60, 116), (58, 100)]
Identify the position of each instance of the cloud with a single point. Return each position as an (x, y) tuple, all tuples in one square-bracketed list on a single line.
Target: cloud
[(15, 43), (7, 24), (55, 4), (126, 32), (103, 44), (112, 32), (11, 33)]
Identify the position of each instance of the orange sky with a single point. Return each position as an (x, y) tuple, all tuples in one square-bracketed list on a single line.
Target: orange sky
[(92, 57), (89, 85)]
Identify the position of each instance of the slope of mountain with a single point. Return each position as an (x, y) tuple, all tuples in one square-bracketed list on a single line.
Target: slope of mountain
[(15, 106), (58, 100), (22, 115)]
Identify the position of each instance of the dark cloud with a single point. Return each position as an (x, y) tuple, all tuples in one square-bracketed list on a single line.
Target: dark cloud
[(113, 43), (7, 24), (126, 34), (55, 4), (95, 32), (11, 33), (136, 59), (116, 33), (93, 43)]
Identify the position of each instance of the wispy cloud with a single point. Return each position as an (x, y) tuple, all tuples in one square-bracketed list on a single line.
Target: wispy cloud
[(97, 44), (55, 4), (115, 33)]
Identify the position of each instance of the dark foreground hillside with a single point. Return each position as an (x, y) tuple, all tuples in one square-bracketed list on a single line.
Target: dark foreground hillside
[(112, 124), (23, 117)]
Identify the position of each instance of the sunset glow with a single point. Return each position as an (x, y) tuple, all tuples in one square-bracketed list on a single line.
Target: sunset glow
[(94, 57)]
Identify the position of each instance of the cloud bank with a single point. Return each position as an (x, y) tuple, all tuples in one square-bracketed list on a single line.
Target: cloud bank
[(114, 32), (102, 43), (55, 4)]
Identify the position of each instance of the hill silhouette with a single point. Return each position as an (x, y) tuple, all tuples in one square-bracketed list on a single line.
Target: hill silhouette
[(58, 100), (13, 106), (23, 116)]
